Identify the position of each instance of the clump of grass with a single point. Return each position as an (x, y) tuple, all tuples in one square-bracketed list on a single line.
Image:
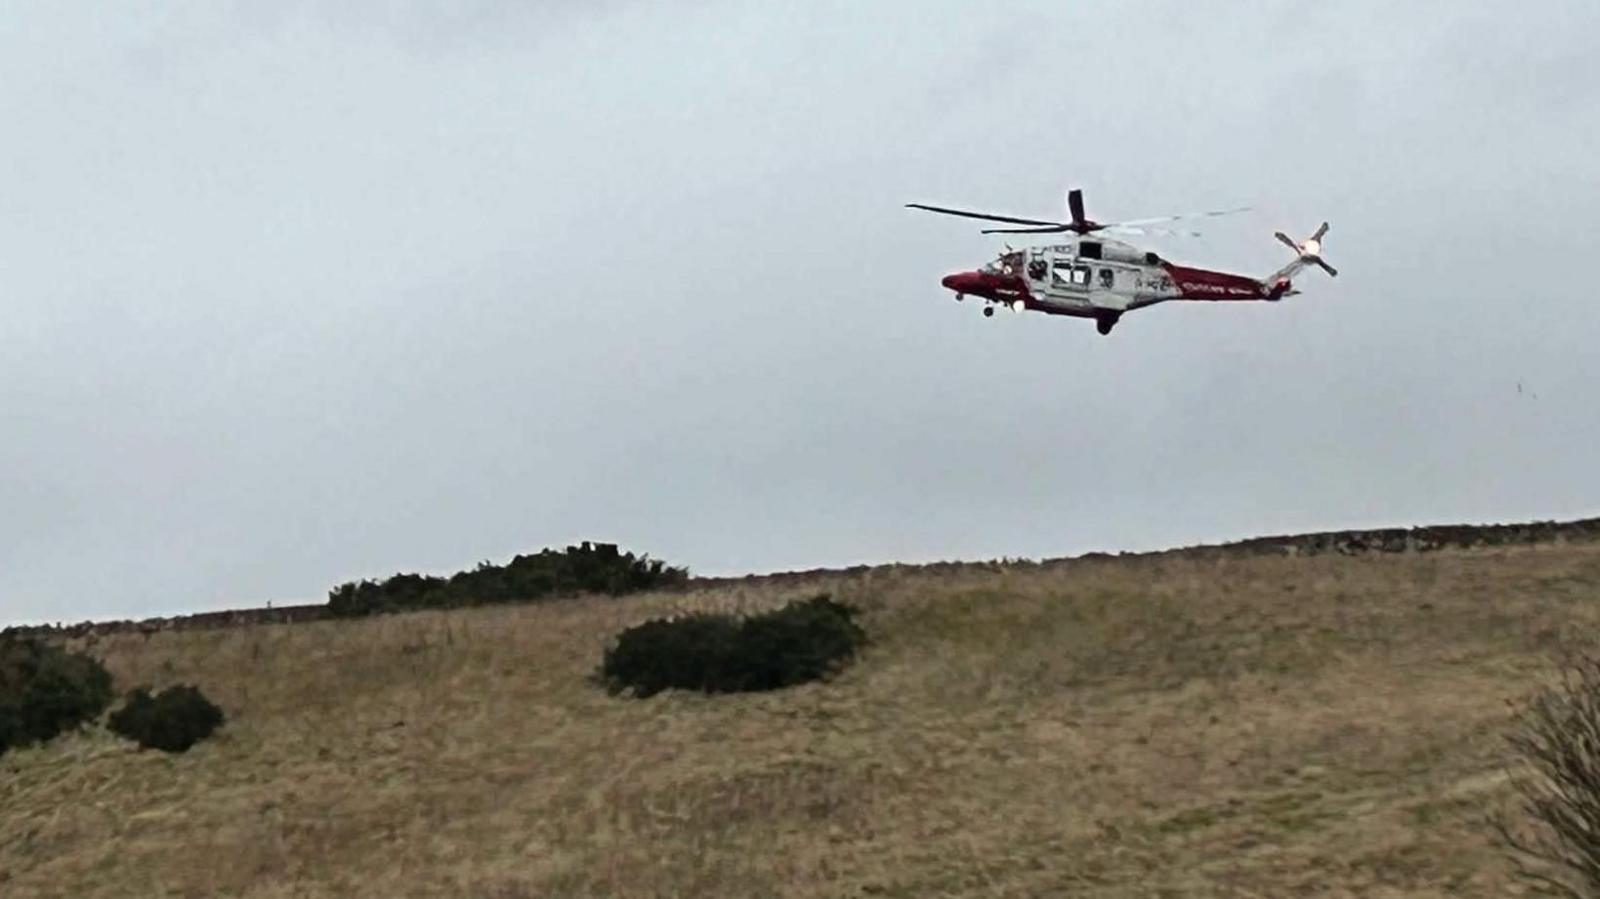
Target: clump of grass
[(1557, 742), (720, 653)]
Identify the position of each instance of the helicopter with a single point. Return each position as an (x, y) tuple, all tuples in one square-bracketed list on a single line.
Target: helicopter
[(1094, 276)]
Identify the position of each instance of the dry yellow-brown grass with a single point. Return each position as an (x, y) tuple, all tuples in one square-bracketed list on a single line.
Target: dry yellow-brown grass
[(1155, 726)]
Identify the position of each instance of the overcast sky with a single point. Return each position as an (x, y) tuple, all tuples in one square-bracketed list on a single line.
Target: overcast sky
[(342, 289)]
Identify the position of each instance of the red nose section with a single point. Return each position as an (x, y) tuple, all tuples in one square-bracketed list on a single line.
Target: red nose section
[(995, 286), (965, 282)]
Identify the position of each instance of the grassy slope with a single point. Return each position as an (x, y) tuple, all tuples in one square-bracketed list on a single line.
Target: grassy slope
[(1160, 726)]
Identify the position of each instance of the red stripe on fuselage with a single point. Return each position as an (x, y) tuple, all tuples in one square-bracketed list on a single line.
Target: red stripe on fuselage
[(1200, 284)]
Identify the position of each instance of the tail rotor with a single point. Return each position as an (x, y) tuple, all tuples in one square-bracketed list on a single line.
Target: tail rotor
[(1309, 250)]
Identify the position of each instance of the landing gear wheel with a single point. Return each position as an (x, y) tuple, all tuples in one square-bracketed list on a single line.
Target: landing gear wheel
[(1104, 323), (988, 312), (960, 297)]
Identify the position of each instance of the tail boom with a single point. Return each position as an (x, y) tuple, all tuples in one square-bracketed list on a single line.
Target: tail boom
[(1202, 284)]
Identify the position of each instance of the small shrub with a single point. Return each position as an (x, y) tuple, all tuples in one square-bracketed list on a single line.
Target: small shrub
[(718, 653), (46, 690), (172, 720), (1556, 741)]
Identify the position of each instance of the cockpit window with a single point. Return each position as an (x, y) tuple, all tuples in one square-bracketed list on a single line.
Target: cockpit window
[(1006, 264)]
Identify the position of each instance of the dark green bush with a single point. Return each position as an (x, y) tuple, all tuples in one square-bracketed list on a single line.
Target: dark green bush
[(172, 720), (587, 568), (46, 690), (715, 653)]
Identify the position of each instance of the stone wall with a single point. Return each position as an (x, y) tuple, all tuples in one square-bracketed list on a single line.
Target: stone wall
[(1421, 539), (148, 626)]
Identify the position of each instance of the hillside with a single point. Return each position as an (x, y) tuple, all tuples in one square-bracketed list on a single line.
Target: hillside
[(1183, 724)]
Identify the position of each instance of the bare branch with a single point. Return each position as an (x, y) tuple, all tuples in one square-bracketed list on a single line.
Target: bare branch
[(1556, 778)]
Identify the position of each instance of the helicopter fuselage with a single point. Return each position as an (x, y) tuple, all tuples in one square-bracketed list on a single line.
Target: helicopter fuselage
[(1100, 279)]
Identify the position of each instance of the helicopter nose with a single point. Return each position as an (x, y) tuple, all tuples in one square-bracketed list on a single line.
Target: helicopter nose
[(963, 282)]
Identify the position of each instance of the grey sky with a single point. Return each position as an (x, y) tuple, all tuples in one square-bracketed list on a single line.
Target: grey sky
[(342, 289)]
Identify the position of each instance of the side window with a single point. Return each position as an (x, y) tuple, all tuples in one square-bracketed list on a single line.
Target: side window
[(1080, 275), (1107, 278)]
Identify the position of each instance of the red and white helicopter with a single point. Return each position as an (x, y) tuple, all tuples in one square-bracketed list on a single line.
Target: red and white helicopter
[(1099, 278)]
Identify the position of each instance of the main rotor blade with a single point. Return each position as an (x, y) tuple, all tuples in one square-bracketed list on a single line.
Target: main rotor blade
[(1287, 242), (1327, 268), (1185, 215), (1053, 229), (1320, 231), (1075, 206), (1162, 232), (982, 215)]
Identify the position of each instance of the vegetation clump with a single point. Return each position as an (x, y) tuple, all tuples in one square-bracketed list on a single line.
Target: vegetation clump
[(719, 653), (588, 568), (46, 690), (173, 720), (1556, 741)]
